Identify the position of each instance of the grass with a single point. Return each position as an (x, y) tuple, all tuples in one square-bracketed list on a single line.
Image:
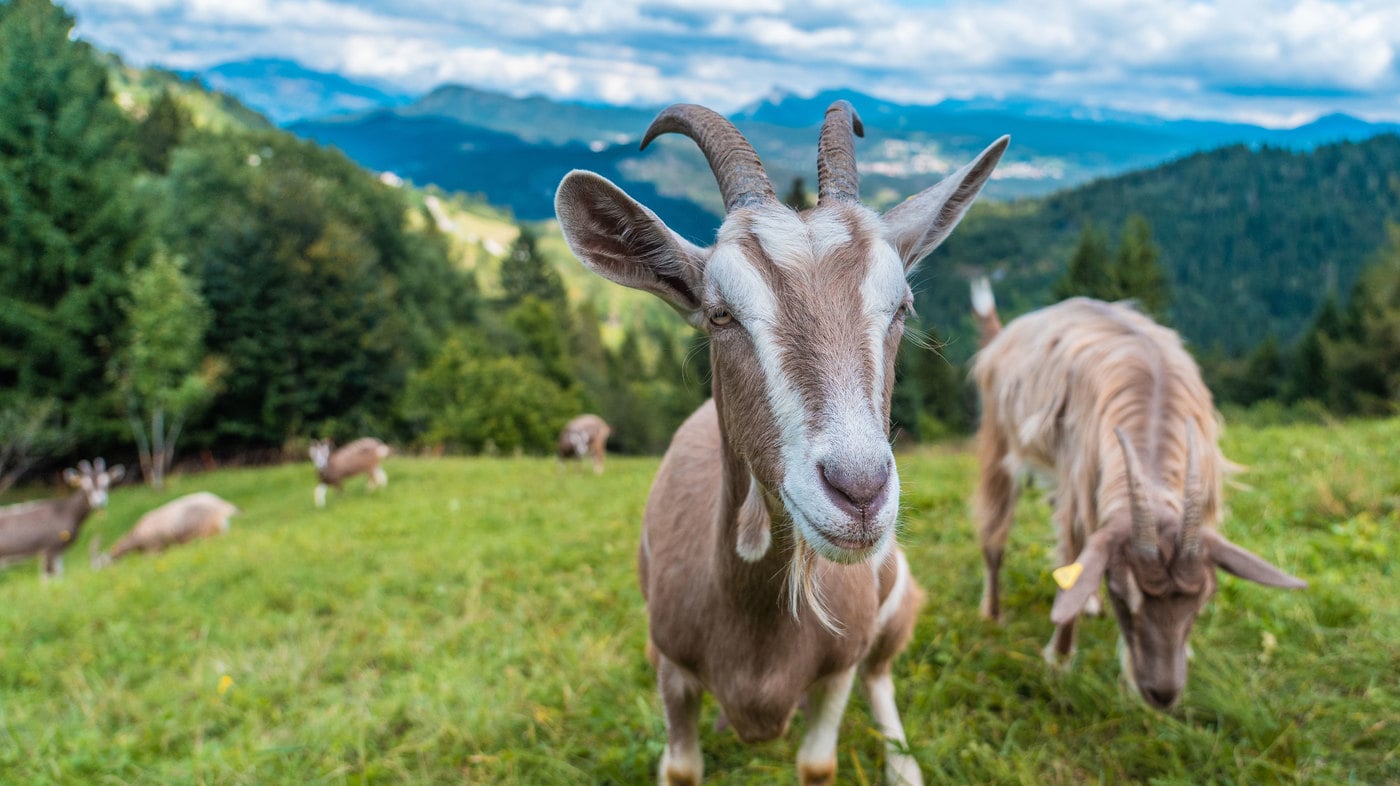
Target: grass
[(478, 621)]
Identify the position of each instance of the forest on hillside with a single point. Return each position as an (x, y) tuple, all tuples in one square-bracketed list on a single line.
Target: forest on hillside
[(179, 279)]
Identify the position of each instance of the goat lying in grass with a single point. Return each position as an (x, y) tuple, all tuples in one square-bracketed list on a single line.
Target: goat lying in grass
[(1109, 405), (197, 515)]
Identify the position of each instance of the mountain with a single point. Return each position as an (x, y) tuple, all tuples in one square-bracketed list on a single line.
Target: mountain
[(1251, 240), (441, 139), (285, 90)]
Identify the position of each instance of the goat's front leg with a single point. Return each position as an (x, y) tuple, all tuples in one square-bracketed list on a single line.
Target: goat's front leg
[(681, 764), (900, 768), (826, 703), (52, 565)]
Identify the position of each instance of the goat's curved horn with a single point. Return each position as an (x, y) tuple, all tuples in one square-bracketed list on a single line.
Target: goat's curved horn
[(1191, 498), (1144, 528), (742, 181), (838, 181)]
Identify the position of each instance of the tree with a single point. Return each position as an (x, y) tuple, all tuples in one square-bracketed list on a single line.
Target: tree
[(1138, 275), (160, 132), (1089, 273), (526, 272), (71, 222), (797, 197), (162, 372), (29, 433)]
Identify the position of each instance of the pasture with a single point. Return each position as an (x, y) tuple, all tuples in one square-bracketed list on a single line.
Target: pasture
[(479, 621)]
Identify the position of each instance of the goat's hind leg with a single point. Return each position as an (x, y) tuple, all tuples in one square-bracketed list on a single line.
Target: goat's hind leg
[(682, 763), (994, 507)]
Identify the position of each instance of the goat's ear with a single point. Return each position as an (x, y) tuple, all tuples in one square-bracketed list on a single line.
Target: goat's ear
[(917, 225), (116, 473), (1246, 564), (1092, 561), (621, 240), (71, 477)]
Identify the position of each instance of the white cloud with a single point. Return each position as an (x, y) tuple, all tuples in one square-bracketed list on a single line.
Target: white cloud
[(1253, 59)]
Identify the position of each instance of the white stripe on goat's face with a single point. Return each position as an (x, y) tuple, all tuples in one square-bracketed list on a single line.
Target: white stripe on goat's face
[(804, 368)]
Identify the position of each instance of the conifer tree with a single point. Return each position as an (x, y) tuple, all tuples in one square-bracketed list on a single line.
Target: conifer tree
[(1137, 272), (1089, 273), (797, 197), (526, 272), (70, 222)]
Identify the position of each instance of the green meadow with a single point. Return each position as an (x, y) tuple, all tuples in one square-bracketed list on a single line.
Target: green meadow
[(478, 621)]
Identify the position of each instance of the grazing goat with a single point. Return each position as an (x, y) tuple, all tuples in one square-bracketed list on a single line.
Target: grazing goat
[(361, 456), (1109, 405), (197, 515), (47, 528), (767, 557), (585, 435)]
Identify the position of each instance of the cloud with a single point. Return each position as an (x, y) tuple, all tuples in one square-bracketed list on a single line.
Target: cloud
[(1240, 59)]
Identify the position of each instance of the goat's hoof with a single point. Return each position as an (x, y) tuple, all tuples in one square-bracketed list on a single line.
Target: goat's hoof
[(1058, 662), (816, 773)]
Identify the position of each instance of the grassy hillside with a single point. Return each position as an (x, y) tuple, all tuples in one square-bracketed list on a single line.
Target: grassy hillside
[(463, 625)]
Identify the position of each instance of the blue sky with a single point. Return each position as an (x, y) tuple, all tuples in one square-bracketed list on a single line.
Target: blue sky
[(1277, 64)]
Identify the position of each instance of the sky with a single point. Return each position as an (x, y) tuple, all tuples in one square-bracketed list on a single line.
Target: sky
[(1271, 63)]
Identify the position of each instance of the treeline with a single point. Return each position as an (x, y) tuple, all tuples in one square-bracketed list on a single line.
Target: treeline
[(166, 279), (1250, 240)]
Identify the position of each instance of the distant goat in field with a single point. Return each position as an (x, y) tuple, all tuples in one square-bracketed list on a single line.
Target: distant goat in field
[(47, 528), (359, 457), (197, 515), (1109, 404), (585, 435), (768, 558)]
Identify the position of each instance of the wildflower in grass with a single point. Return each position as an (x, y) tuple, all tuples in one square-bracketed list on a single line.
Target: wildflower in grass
[(225, 682)]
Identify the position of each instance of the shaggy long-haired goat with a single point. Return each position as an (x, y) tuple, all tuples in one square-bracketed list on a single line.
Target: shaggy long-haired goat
[(1109, 405), (767, 559)]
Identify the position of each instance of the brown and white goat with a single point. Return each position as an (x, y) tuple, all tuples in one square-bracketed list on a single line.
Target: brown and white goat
[(1109, 405), (47, 528), (333, 467), (767, 556), (585, 435), (197, 515)]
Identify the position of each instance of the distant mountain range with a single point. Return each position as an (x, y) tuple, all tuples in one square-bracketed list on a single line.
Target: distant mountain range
[(513, 151), (285, 90)]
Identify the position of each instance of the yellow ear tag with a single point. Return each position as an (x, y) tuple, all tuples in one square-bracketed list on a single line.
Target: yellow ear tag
[(1067, 575), (64, 536)]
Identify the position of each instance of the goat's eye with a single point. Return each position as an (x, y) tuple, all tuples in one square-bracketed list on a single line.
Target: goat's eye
[(903, 312), (720, 317)]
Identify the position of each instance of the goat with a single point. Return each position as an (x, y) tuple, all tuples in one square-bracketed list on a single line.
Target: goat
[(768, 559), (197, 515), (585, 435), (1109, 405), (47, 528), (332, 468)]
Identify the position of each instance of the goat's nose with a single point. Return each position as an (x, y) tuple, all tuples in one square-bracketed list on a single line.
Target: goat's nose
[(856, 490), (1161, 698)]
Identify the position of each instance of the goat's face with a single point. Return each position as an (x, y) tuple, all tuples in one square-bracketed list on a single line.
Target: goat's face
[(1160, 563), (805, 312), (95, 480), (320, 453), (1156, 601)]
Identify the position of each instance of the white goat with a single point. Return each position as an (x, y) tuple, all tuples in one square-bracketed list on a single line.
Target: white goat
[(47, 528), (767, 557), (359, 457), (1108, 404), (197, 515)]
